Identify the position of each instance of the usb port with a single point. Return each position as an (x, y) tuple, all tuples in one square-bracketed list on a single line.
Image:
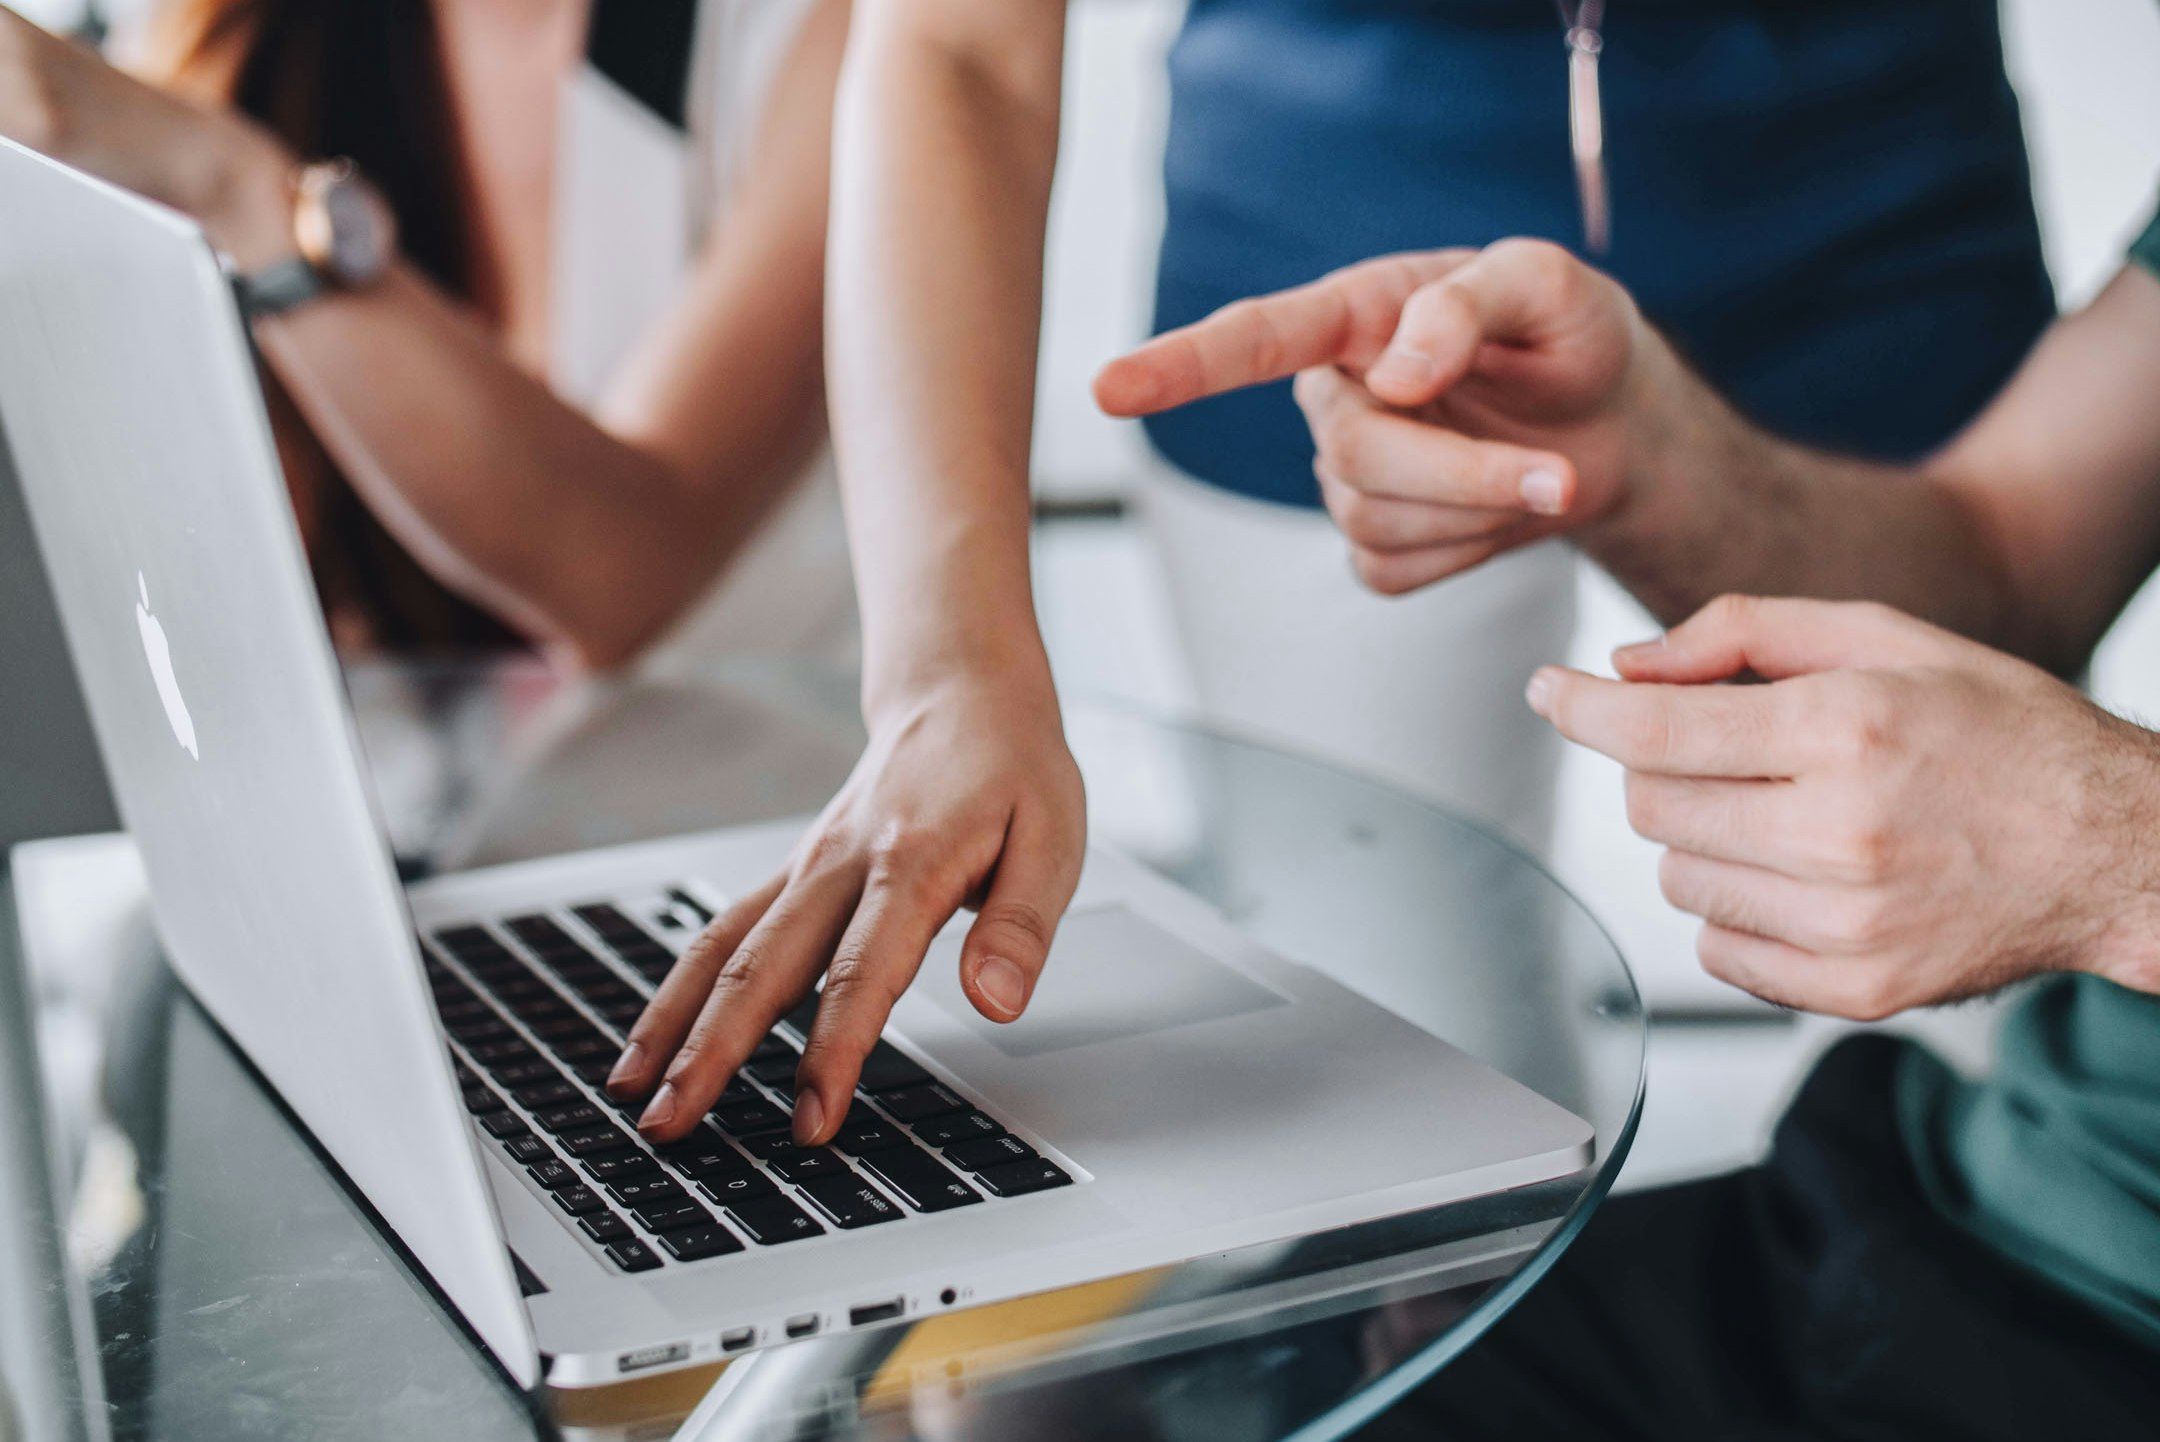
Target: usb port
[(802, 1326), (874, 1312), (738, 1338)]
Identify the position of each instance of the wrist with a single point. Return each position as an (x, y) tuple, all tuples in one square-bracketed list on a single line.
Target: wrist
[(1670, 425), (243, 197), (1008, 661), (2127, 944)]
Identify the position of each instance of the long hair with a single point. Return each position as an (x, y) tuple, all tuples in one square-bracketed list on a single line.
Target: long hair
[(363, 79)]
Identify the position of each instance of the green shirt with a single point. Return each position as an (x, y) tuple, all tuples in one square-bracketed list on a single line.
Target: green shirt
[(2053, 1160)]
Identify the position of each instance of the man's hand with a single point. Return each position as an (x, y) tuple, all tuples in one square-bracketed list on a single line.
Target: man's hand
[(968, 797), (1900, 817), (1463, 403), (63, 99)]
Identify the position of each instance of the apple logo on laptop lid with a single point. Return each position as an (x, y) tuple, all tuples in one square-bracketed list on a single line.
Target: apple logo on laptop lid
[(159, 653)]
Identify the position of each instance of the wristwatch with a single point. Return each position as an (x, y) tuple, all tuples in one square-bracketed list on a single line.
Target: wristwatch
[(344, 237)]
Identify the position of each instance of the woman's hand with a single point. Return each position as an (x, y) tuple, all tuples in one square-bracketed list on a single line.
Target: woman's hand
[(63, 99), (1901, 817), (966, 796), (1462, 403)]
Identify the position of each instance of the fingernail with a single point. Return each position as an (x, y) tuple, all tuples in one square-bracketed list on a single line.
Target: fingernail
[(1404, 366), (1539, 692), (661, 1110), (1541, 491), (809, 1117), (626, 1066), (1002, 984)]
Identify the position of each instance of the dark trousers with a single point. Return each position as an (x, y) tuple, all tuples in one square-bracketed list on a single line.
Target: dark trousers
[(1816, 1296)]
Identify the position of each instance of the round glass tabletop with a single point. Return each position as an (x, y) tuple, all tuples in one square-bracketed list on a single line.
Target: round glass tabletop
[(214, 1279)]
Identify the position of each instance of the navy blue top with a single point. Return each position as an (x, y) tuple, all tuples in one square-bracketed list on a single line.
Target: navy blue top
[(1824, 202)]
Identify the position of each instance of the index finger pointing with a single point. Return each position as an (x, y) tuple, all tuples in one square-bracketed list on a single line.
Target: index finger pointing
[(1341, 319), (1733, 731)]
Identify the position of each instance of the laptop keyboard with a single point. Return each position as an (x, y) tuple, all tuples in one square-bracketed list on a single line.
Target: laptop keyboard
[(536, 1014)]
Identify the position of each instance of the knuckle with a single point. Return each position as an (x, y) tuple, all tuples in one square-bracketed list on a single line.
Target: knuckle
[(1650, 734), (1021, 921), (1730, 610)]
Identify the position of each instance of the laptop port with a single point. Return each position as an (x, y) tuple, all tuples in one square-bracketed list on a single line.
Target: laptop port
[(804, 1326), (871, 1313), (737, 1338)]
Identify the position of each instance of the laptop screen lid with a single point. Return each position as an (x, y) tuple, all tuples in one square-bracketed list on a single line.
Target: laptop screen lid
[(142, 446)]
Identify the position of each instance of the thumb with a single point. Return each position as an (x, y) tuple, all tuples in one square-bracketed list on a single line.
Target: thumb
[(1777, 637)]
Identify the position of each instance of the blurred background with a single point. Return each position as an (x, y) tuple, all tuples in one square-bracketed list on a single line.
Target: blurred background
[(1720, 1065)]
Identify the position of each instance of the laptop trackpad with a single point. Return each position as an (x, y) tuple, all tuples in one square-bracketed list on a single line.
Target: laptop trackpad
[(1112, 974)]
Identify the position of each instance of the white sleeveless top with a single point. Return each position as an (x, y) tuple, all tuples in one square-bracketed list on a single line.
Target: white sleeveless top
[(644, 181)]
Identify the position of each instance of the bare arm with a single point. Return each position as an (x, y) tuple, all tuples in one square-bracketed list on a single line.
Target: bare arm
[(594, 532), (1464, 404), (591, 533), (2029, 531), (947, 141), (967, 795)]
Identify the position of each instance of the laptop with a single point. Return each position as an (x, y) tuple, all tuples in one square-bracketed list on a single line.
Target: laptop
[(1174, 1091)]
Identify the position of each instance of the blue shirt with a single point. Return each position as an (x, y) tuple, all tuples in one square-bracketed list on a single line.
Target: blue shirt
[(1824, 202)]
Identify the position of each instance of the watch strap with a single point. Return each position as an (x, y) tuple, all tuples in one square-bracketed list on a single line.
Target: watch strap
[(279, 287)]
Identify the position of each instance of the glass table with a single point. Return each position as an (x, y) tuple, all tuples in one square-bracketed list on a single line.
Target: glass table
[(178, 1261)]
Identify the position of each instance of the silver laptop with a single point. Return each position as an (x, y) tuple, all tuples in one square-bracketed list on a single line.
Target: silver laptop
[(1174, 1090)]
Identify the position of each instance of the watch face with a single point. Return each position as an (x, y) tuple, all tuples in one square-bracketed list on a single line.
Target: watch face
[(343, 227), (359, 246)]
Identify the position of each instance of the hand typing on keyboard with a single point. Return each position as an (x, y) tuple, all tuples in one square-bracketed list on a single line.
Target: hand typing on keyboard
[(968, 798)]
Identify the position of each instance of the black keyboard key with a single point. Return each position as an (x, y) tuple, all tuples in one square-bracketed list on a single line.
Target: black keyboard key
[(552, 1093), (554, 1174), (536, 931), (774, 1045), (503, 1125), (797, 1164), (979, 1156), (888, 1069), (736, 1187), (478, 1099), (1017, 1179), (694, 1244), (707, 1157), (610, 1168), (850, 1201), (778, 1067), (458, 939), (573, 1118), (527, 1149), (592, 1141), (750, 1117), (864, 1132), (954, 1127), (691, 904), (594, 1070), (480, 1030), (632, 1256), (653, 1189), (804, 1016), (527, 1073), (920, 1180), (606, 919), (773, 1219), (674, 1218), (568, 1025), (604, 1227), (495, 1056), (578, 1199), (590, 1047), (622, 1015), (913, 1104), (464, 1009)]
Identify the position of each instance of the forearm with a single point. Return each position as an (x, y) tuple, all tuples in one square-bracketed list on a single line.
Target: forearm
[(504, 492), (1713, 504), (942, 185)]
